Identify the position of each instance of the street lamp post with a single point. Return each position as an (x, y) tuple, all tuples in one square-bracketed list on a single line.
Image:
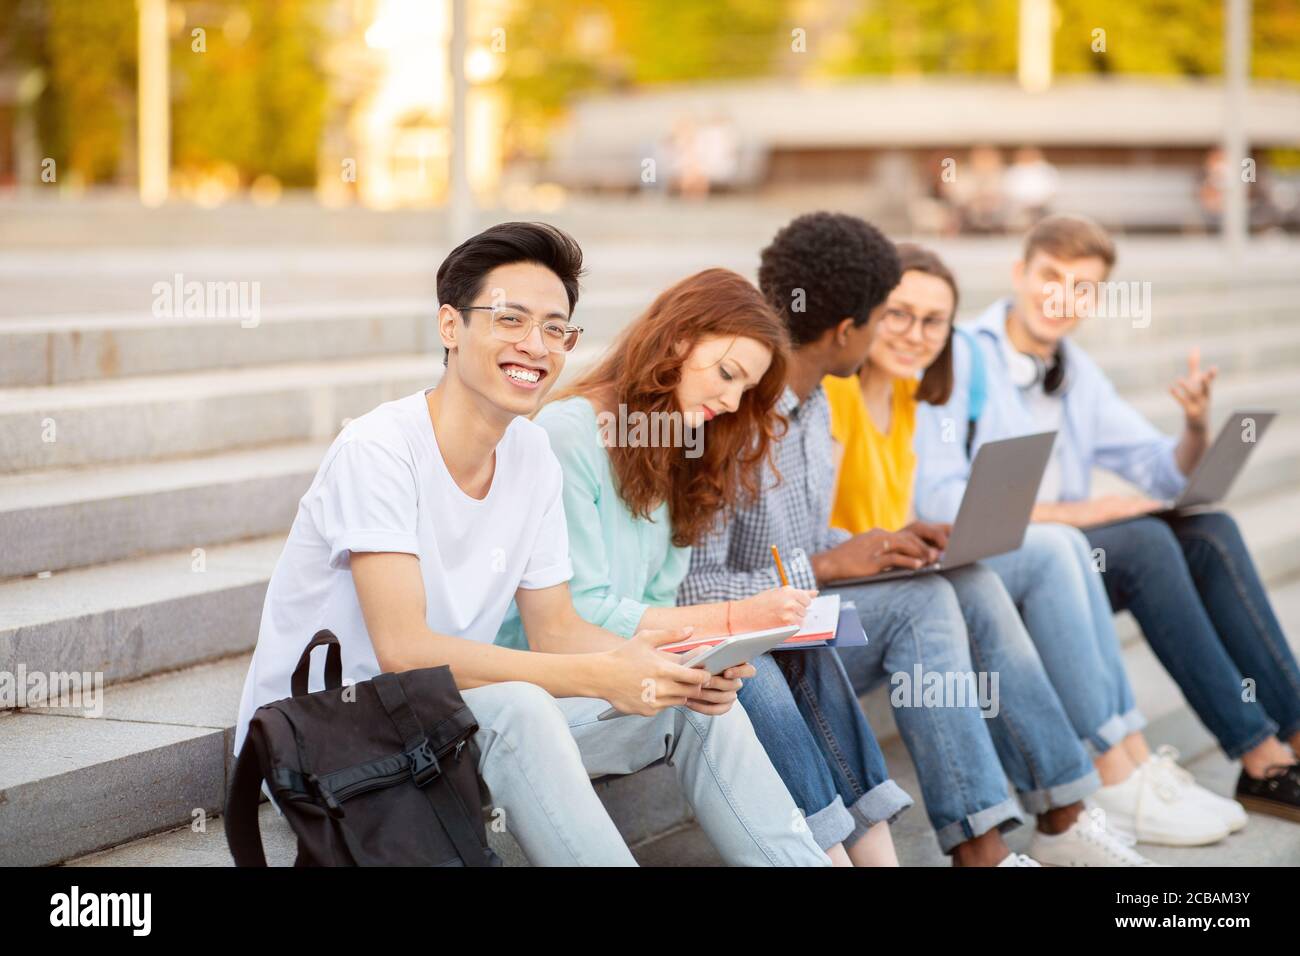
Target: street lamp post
[(1236, 83), (460, 202), (152, 98)]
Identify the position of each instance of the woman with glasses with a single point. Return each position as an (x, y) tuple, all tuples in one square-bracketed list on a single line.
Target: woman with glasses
[(1050, 578)]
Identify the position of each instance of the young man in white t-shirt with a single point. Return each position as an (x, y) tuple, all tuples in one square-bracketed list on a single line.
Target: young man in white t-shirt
[(432, 512)]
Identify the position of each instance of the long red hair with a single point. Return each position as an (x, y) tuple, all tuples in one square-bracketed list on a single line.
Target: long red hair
[(643, 368)]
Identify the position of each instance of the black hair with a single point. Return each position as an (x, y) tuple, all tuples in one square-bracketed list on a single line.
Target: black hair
[(462, 273), (825, 267)]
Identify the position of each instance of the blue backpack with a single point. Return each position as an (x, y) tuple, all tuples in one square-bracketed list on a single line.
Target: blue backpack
[(978, 390)]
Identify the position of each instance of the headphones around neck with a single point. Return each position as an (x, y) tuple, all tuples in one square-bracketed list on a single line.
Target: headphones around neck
[(1028, 371)]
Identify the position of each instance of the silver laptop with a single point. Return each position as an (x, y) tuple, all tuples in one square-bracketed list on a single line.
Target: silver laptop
[(1222, 462), (995, 509)]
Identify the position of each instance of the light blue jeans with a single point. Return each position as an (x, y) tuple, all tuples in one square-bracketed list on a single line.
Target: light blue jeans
[(955, 625), (537, 754), (1063, 603)]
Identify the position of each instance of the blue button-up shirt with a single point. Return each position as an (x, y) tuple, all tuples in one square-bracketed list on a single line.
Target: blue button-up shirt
[(1099, 428)]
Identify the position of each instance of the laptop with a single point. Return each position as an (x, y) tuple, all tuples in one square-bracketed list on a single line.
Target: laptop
[(1223, 461), (995, 509)]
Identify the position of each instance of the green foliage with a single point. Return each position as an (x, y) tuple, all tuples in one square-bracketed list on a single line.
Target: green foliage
[(254, 99), (558, 49), (1151, 37)]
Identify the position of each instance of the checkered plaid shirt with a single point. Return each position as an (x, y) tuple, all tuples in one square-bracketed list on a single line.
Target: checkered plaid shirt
[(735, 561)]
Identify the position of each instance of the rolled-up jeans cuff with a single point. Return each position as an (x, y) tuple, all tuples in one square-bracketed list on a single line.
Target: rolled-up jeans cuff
[(1108, 735), (883, 803), (1134, 721), (1061, 795), (1003, 816), (831, 824), (1235, 750)]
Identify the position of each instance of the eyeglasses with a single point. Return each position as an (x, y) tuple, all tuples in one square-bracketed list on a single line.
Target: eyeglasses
[(511, 325), (900, 322)]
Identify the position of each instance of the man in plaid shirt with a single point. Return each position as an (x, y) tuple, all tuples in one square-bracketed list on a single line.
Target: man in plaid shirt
[(815, 272)]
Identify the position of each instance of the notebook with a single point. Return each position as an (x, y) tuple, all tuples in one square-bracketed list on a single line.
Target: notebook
[(819, 627)]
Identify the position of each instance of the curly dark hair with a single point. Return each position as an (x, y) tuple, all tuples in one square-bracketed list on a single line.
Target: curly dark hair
[(825, 267)]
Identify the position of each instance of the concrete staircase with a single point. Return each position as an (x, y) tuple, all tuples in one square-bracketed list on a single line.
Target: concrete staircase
[(149, 469)]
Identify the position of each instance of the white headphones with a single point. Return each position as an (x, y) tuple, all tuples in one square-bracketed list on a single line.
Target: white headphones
[(1027, 371)]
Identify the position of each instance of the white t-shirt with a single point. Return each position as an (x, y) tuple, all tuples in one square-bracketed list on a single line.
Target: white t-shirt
[(383, 486), (1049, 413)]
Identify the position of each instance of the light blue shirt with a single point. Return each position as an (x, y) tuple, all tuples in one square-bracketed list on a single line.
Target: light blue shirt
[(622, 564), (1099, 428)]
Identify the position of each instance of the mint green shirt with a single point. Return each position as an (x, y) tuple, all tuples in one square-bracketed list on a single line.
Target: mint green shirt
[(621, 564)]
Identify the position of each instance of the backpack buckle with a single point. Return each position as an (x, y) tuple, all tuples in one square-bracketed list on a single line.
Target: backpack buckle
[(424, 763)]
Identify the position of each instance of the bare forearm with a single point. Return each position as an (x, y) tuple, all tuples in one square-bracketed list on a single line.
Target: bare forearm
[(1076, 513), (709, 620), (474, 664), (1190, 448), (571, 634)]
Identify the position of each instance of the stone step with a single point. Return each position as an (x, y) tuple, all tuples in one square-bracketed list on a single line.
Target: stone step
[(176, 416), (133, 618), (73, 518), (190, 713), (41, 350)]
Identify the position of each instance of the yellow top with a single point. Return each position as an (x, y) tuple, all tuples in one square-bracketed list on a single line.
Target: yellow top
[(874, 487)]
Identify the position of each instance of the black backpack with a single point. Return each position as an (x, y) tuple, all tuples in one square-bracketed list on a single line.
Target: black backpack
[(388, 778)]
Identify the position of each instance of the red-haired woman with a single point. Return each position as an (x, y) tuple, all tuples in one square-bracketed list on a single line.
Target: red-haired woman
[(661, 438)]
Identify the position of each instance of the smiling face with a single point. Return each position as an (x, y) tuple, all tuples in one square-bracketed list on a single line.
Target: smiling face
[(1053, 294), (716, 372), (929, 299), (513, 377)]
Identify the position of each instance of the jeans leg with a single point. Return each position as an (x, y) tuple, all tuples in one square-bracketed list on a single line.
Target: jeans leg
[(1064, 608), (726, 776), (535, 774), (1040, 750), (1147, 573), (914, 628), (1238, 605), (825, 698), (795, 751)]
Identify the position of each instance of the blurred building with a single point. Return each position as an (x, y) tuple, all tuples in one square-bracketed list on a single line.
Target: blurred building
[(1132, 151)]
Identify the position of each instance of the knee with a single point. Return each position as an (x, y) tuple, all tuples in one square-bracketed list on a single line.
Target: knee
[(1218, 525), (1152, 542), (518, 710), (936, 621)]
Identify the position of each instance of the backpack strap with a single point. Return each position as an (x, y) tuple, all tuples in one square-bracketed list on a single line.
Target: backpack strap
[(978, 390), (333, 664), (446, 802), (243, 834)]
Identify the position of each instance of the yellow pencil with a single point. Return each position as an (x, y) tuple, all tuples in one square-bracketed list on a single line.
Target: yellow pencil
[(780, 568)]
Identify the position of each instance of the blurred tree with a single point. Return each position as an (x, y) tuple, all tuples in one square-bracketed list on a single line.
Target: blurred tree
[(1155, 37), (559, 49), (254, 98)]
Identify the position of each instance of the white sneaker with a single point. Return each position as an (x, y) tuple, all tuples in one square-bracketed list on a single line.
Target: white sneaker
[(1018, 859), (1153, 807), (1165, 761), (1086, 843)]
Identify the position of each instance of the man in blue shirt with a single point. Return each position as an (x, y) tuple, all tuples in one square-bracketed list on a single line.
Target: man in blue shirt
[(1187, 578)]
